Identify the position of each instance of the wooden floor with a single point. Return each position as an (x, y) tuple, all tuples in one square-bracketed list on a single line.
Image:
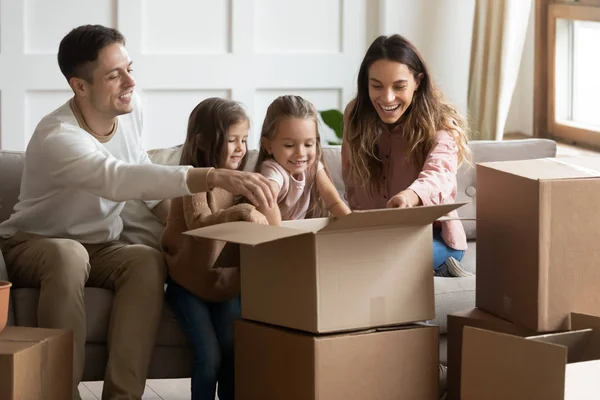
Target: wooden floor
[(156, 389)]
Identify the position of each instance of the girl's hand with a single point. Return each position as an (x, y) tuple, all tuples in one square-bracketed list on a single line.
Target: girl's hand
[(404, 199), (258, 218), (330, 195)]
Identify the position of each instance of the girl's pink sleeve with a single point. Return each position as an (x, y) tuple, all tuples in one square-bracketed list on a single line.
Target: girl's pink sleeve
[(269, 170), (436, 183), (274, 172)]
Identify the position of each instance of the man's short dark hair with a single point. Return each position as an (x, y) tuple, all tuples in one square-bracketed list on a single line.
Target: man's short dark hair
[(79, 49)]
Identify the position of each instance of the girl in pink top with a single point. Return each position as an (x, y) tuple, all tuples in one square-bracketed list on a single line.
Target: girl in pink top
[(292, 159), (403, 143)]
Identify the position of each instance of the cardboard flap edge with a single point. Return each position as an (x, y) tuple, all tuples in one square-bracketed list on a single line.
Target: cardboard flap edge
[(247, 233)]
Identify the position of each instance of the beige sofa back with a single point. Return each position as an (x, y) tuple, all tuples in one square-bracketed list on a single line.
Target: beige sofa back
[(140, 225)]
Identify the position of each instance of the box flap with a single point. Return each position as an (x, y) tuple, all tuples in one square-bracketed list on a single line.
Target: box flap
[(582, 321), (576, 342), (550, 168), (246, 232), (501, 366), (388, 217), (311, 224)]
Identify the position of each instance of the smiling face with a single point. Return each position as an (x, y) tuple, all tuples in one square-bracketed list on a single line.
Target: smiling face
[(391, 89), (109, 92), (234, 148), (294, 145)]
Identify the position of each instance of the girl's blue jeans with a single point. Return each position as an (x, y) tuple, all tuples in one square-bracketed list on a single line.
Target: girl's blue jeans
[(441, 251), (209, 327)]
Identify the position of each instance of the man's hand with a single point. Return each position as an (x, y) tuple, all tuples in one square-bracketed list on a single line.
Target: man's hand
[(258, 218), (251, 185), (404, 199)]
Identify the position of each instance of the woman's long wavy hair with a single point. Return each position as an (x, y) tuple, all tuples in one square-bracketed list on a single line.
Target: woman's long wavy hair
[(207, 129), (427, 114), (290, 106)]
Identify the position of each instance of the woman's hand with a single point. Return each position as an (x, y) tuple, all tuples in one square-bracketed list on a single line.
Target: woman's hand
[(405, 199)]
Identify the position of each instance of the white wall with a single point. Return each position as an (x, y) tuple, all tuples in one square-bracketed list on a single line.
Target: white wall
[(184, 51), (442, 31), (248, 50)]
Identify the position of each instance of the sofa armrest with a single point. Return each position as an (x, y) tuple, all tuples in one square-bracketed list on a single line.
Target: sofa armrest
[(492, 150)]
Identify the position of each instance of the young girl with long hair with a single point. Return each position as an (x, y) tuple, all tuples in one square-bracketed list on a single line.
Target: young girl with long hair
[(204, 280), (291, 157)]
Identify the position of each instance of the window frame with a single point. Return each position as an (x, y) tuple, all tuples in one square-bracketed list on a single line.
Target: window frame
[(545, 124)]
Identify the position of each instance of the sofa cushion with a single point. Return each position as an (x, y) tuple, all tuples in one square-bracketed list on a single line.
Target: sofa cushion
[(98, 304), (452, 295), (490, 150)]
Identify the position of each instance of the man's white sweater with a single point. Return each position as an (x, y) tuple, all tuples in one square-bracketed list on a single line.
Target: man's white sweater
[(74, 186)]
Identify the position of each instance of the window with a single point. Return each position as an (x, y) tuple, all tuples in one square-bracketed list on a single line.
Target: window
[(567, 98)]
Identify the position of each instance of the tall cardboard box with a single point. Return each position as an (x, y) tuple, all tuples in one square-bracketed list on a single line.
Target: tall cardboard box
[(36, 364), (273, 363), (538, 236), (558, 366), (366, 269), (478, 319)]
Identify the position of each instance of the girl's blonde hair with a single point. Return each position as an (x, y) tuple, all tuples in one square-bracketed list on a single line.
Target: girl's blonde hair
[(428, 113), (207, 131), (290, 106)]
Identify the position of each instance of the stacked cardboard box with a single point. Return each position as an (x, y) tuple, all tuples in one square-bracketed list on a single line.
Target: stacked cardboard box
[(36, 364), (538, 262), (331, 308)]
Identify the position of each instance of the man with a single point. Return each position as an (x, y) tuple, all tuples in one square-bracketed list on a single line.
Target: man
[(83, 161)]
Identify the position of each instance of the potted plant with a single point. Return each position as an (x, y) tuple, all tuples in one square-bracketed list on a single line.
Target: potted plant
[(335, 120)]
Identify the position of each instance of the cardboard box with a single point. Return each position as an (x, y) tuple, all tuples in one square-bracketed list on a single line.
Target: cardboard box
[(36, 364), (478, 319), (366, 269), (558, 366), (538, 252), (275, 363)]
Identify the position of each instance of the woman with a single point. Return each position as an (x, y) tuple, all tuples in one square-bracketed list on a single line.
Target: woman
[(403, 142)]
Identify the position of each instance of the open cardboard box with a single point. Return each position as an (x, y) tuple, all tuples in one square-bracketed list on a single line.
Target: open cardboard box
[(366, 269), (537, 240), (476, 318), (273, 363), (557, 366)]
